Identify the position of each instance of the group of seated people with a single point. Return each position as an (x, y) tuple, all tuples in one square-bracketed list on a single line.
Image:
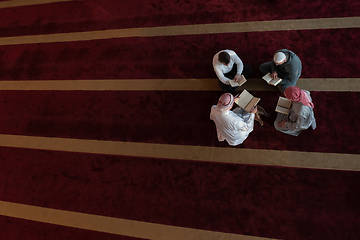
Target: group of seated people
[(234, 125)]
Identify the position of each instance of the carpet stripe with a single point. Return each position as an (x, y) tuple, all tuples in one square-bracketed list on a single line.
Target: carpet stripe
[(311, 84), (112, 225), (231, 198), (20, 3), (149, 117), (195, 153), (44, 231), (260, 26), (94, 15), (109, 59)]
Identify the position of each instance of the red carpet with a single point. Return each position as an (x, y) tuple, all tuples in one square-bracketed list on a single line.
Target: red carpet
[(158, 117), (282, 203), (77, 16), (274, 202), (322, 53), (10, 229)]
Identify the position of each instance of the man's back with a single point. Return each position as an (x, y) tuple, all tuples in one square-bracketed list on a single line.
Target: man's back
[(232, 126)]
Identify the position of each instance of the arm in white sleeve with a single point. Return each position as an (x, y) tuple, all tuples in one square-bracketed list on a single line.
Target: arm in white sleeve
[(219, 73), (221, 76), (247, 123), (237, 60)]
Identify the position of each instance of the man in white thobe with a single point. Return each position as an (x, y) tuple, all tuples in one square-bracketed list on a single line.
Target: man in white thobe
[(232, 126)]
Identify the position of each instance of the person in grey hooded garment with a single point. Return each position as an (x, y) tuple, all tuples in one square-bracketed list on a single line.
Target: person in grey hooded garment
[(301, 115)]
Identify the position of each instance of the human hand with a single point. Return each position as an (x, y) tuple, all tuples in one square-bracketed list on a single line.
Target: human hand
[(237, 78), (254, 109), (281, 124), (273, 75)]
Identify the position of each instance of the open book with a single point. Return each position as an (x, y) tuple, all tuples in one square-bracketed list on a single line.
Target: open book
[(270, 80), (283, 105), (246, 101), (235, 84)]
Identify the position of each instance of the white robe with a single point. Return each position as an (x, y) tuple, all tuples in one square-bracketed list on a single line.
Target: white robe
[(301, 117), (232, 126)]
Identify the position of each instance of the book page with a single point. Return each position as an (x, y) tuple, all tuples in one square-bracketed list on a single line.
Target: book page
[(282, 110), (275, 81), (284, 102), (267, 78), (233, 83), (244, 99), (252, 103), (243, 80)]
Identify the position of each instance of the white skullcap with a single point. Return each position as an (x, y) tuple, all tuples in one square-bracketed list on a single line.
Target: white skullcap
[(225, 101), (279, 57)]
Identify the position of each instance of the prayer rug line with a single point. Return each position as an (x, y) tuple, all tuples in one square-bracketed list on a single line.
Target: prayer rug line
[(238, 27), (311, 84), (113, 225), (316, 160), (21, 3)]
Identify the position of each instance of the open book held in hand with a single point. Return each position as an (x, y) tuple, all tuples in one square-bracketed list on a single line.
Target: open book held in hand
[(283, 105), (235, 84), (246, 101), (270, 80)]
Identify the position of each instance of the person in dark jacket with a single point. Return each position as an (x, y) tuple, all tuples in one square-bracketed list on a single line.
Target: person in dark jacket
[(285, 65)]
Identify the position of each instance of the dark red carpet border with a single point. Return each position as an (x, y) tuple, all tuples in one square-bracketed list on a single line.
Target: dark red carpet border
[(91, 15), (168, 117), (323, 54), (275, 202), (14, 228)]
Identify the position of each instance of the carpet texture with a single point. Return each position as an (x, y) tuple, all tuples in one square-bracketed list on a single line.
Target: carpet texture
[(322, 53), (10, 229), (90, 15), (159, 117), (273, 202), (276, 202)]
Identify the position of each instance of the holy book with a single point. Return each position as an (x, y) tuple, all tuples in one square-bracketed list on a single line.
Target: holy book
[(235, 84), (283, 105), (270, 80), (246, 101)]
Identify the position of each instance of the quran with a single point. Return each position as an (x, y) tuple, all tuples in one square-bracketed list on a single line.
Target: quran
[(235, 84), (283, 105), (246, 101), (270, 80)]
